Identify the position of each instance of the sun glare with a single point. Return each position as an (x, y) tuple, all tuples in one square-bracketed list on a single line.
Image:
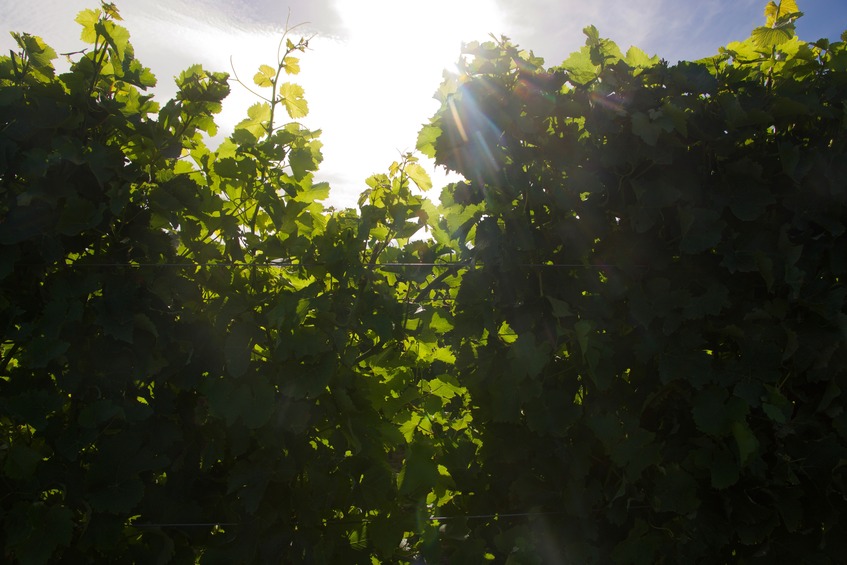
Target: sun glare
[(370, 91), (385, 72)]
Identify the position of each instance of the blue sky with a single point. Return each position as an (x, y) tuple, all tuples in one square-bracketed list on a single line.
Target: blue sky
[(374, 64)]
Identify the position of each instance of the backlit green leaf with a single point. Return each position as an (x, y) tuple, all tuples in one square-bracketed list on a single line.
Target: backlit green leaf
[(111, 10), (445, 386), (767, 37), (427, 137), (592, 36), (256, 123), (419, 176), (637, 58), (293, 99), (774, 12), (88, 19), (304, 160), (314, 193), (115, 35), (580, 68), (291, 65), (39, 53), (265, 76)]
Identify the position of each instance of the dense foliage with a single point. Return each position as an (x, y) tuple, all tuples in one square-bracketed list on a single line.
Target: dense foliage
[(668, 244), (621, 340)]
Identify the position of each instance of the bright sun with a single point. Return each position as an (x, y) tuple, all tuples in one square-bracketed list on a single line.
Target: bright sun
[(384, 75), (370, 91)]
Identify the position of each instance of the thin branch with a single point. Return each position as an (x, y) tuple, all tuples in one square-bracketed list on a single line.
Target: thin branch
[(239, 81)]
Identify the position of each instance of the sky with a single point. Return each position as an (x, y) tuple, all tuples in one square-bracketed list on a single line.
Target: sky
[(373, 65)]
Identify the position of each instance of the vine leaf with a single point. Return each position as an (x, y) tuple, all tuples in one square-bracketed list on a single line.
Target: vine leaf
[(88, 19), (39, 53), (21, 461), (419, 176), (767, 37), (724, 469), (116, 36), (256, 122), (637, 58), (775, 12), (237, 348), (293, 99), (264, 78), (746, 441), (291, 65), (419, 471)]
